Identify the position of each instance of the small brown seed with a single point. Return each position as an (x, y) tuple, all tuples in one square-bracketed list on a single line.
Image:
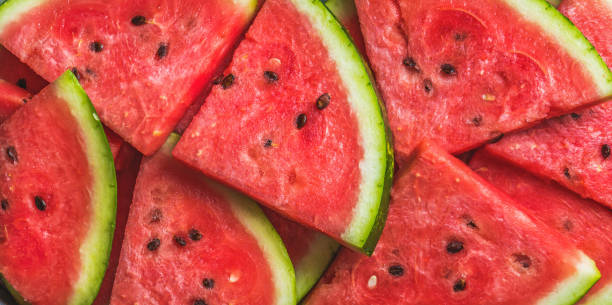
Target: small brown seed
[(268, 143), (153, 244), (566, 172), (11, 153), (139, 20), (448, 69), (156, 216), (396, 270), (454, 246), (5, 204), (605, 151), (217, 80), (208, 283), (96, 46), (162, 51), (428, 85), (228, 81), (411, 64), (76, 73), (300, 121), (199, 302), (195, 235), (40, 203), (270, 76), (522, 259), (459, 285), (575, 116), (477, 120), (180, 241), (323, 101)]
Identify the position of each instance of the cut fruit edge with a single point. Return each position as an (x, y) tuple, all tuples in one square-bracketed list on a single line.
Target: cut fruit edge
[(312, 266), (570, 290)]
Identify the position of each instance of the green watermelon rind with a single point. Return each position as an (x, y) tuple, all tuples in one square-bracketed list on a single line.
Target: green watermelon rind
[(12, 10), (255, 221), (601, 297), (376, 167), (557, 26), (312, 266), (570, 290)]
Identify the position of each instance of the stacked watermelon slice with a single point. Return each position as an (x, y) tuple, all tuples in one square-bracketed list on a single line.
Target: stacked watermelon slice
[(277, 106)]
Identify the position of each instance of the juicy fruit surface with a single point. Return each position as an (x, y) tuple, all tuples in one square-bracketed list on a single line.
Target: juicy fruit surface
[(450, 238), (11, 98), (40, 239), (198, 237), (262, 132), (142, 64), (15, 72), (458, 73), (585, 222), (573, 150), (594, 19)]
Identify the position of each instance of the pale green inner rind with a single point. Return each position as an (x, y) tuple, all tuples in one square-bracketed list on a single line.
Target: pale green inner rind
[(256, 222), (574, 287), (365, 227), (341, 8), (311, 267), (248, 5), (555, 25), (95, 249), (602, 297), (12, 11)]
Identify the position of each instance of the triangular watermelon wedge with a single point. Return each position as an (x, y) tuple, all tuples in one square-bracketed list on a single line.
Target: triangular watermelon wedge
[(296, 124), (189, 240), (141, 62), (585, 222), (451, 238), (464, 72), (58, 195)]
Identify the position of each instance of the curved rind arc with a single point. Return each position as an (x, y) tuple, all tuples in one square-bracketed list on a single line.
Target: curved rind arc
[(254, 220), (601, 297), (12, 10), (312, 266), (376, 167), (569, 37)]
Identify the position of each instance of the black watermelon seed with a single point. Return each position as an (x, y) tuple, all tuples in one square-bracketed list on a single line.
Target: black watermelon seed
[(411, 64), (208, 283), (300, 121), (162, 51), (199, 302), (575, 116), (268, 143), (22, 83), (227, 81), (96, 46), (195, 234), (396, 270), (470, 222), (568, 225), (477, 120), (5, 204), (522, 259), (566, 172), (605, 151), (76, 73), (25, 101), (40, 203), (448, 69), (459, 285), (139, 20), (454, 246), (11, 153), (460, 36), (323, 101), (217, 80), (428, 85), (180, 241), (153, 244), (270, 76)]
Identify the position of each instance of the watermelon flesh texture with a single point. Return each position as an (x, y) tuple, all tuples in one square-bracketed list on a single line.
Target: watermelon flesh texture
[(127, 163), (187, 239), (15, 72), (585, 222), (594, 19), (310, 251), (451, 238), (573, 150), (142, 65), (11, 98), (263, 134), (58, 198), (466, 72)]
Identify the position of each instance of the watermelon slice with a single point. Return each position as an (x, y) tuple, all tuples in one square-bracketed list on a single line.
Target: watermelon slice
[(141, 62), (573, 150), (191, 241), (464, 72), (594, 19), (11, 98), (586, 223), (15, 72), (451, 238), (296, 124), (58, 198), (310, 251)]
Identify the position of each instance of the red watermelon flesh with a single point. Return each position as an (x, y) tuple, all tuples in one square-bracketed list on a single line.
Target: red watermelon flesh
[(141, 62), (15, 72), (11, 98), (58, 197), (451, 238), (186, 243), (129, 159), (573, 150), (463, 72), (261, 131), (586, 223), (594, 19)]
